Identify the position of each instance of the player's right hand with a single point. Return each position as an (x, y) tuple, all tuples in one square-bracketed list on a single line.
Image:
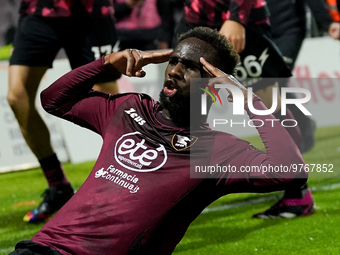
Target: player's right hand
[(131, 61), (220, 77)]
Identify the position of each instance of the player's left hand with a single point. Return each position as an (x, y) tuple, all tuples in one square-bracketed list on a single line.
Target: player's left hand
[(131, 61), (220, 77)]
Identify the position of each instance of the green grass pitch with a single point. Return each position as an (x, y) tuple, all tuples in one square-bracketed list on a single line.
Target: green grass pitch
[(226, 226)]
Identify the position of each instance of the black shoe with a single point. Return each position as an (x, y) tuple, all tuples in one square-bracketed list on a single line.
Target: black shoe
[(289, 208), (53, 200)]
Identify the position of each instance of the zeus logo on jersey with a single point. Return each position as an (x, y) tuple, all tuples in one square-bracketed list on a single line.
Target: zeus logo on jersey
[(132, 113), (137, 153)]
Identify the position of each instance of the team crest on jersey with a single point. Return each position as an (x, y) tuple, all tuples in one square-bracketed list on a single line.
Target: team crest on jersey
[(181, 142)]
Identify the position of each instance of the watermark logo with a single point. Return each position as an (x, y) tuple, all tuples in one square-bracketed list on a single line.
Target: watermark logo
[(214, 91), (239, 100)]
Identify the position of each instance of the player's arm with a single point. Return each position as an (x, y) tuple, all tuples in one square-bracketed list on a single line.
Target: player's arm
[(281, 149), (71, 97)]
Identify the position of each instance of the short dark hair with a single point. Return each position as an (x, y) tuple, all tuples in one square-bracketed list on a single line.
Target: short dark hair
[(227, 56)]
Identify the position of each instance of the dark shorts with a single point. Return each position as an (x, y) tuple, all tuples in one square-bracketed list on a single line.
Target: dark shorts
[(262, 63), (38, 40), (31, 248), (289, 44), (261, 60)]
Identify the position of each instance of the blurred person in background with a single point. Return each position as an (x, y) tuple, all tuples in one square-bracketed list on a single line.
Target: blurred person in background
[(288, 30), (86, 31), (143, 24), (8, 20)]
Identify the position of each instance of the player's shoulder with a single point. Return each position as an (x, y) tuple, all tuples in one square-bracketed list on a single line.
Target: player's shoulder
[(135, 99), (132, 96)]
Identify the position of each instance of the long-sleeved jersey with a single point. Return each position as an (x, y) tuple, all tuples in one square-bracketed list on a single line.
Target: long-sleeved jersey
[(140, 196)]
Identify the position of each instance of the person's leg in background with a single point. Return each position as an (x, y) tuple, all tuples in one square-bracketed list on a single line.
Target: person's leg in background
[(36, 44), (289, 46), (28, 64), (100, 40), (295, 202)]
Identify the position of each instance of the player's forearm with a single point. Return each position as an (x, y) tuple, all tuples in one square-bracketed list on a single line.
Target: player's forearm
[(59, 97), (281, 149), (279, 145), (257, 171)]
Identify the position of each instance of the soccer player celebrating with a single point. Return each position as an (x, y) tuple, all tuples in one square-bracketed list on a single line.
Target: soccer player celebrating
[(139, 197)]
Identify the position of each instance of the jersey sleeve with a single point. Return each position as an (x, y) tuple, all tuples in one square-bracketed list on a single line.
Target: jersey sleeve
[(71, 97), (239, 11), (257, 171)]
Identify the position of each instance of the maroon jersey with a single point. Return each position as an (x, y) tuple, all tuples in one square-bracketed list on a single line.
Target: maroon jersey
[(139, 197), (66, 8)]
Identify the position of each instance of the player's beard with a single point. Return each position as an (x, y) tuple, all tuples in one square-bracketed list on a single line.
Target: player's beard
[(178, 108), (183, 112)]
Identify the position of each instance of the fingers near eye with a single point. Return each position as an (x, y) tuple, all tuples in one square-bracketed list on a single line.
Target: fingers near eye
[(207, 66), (205, 69), (212, 70)]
